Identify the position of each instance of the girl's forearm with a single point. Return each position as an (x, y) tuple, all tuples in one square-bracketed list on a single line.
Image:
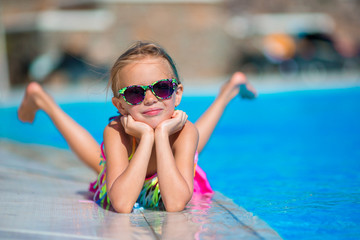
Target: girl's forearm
[(127, 186), (175, 191)]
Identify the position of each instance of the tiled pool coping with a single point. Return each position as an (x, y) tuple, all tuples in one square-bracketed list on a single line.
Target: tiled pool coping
[(44, 196)]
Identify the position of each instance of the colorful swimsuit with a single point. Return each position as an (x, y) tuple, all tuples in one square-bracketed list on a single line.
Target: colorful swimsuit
[(149, 196)]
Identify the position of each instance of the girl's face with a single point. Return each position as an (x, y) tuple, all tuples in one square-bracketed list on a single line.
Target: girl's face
[(152, 110)]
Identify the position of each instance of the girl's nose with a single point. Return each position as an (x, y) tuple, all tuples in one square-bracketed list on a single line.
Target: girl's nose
[(150, 98)]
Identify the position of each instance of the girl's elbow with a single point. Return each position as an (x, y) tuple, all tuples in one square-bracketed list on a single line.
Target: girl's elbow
[(175, 206), (124, 211), (121, 207)]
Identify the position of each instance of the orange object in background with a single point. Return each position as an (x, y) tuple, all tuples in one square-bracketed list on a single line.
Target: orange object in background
[(279, 47)]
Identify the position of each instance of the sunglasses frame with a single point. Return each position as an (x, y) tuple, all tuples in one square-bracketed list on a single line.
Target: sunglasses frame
[(145, 88)]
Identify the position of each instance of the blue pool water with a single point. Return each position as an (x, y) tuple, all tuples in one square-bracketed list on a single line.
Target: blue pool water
[(291, 158)]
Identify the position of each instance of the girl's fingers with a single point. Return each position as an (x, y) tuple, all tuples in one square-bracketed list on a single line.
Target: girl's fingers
[(123, 120), (185, 118), (182, 116), (130, 119), (175, 113), (178, 113)]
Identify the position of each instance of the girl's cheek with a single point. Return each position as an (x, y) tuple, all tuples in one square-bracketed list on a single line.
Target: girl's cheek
[(134, 114)]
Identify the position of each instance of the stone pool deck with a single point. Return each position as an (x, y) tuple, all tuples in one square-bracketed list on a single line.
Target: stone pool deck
[(44, 196)]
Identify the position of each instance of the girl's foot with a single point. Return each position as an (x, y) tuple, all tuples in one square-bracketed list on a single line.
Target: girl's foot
[(33, 101), (237, 84)]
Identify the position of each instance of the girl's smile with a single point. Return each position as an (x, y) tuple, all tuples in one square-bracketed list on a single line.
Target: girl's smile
[(152, 112)]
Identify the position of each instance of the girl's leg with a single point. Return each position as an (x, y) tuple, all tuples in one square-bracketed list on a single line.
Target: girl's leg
[(207, 122), (79, 140)]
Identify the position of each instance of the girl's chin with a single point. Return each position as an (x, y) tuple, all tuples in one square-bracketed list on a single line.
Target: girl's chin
[(153, 124)]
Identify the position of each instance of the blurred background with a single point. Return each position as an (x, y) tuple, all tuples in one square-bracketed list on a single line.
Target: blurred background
[(76, 41)]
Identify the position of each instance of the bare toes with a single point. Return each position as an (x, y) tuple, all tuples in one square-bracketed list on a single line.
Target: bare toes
[(29, 107), (238, 78)]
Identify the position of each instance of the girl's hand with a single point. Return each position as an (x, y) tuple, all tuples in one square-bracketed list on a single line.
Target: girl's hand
[(135, 128), (173, 125)]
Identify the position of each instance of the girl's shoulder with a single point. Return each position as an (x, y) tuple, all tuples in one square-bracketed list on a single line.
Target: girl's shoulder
[(190, 128), (114, 125), (114, 129), (188, 133)]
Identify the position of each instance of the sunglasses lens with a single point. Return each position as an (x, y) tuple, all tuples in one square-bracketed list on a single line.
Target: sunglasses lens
[(134, 95), (163, 89)]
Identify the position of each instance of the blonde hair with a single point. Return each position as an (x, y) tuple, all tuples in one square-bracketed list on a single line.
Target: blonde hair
[(138, 51)]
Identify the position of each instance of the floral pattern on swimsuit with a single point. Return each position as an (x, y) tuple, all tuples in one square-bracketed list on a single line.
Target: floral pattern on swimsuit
[(149, 197)]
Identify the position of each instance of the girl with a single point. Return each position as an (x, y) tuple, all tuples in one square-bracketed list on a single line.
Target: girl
[(151, 147)]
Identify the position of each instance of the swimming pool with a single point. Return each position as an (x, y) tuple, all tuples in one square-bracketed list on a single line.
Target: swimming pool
[(292, 158)]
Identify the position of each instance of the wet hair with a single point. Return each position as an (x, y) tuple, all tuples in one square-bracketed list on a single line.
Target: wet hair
[(137, 51)]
